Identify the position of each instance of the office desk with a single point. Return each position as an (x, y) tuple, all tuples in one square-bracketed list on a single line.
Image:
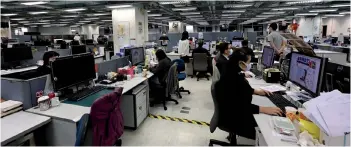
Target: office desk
[(62, 130), (19, 124), (173, 55), (10, 71)]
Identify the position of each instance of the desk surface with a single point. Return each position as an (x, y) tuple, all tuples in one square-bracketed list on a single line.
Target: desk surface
[(172, 54), (19, 124), (320, 51), (10, 71)]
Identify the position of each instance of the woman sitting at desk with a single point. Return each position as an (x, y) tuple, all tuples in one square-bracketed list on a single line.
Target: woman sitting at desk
[(234, 96), (47, 58), (160, 71)]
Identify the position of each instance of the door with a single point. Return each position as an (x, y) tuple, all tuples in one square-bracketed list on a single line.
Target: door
[(324, 31)]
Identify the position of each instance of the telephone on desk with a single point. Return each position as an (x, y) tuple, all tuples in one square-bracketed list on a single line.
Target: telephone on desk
[(271, 75)]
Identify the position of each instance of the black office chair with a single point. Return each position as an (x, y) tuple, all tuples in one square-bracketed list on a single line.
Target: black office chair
[(82, 128), (215, 123), (200, 65)]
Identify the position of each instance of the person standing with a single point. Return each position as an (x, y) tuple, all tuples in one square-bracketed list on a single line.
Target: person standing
[(164, 40), (276, 41)]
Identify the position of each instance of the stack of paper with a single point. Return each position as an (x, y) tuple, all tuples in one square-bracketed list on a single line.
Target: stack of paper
[(9, 107), (330, 112), (273, 88)]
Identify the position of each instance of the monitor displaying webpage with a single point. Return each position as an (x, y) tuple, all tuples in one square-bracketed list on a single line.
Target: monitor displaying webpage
[(304, 70), (236, 43), (268, 56), (206, 45)]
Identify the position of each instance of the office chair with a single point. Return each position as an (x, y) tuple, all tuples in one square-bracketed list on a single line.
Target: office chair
[(181, 75), (200, 65), (82, 127), (215, 123)]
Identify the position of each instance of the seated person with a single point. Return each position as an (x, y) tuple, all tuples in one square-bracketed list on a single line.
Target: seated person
[(47, 58), (223, 56), (160, 71), (234, 96)]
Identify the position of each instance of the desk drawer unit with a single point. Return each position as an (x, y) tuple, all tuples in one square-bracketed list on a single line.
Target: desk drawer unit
[(134, 106)]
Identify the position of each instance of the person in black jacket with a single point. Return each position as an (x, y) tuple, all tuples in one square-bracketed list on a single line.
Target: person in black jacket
[(234, 95), (222, 59), (47, 58)]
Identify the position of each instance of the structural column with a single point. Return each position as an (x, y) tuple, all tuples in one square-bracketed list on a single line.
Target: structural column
[(130, 27)]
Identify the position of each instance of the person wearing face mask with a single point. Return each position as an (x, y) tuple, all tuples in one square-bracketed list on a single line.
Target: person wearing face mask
[(234, 96), (164, 39), (223, 57), (47, 58)]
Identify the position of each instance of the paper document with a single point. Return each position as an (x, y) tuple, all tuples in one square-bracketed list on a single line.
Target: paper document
[(273, 88), (337, 117), (9, 104)]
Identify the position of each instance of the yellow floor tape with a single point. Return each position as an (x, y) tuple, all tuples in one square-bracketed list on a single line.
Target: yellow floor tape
[(179, 120)]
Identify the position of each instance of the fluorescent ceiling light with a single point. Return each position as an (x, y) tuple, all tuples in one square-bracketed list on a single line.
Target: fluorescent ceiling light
[(73, 30), (229, 15), (40, 23), (244, 5), (9, 14), (101, 14), (161, 17), (306, 14), (94, 18), (257, 18), (172, 2), (33, 3), (66, 19), (84, 21), (148, 11), (119, 6), (323, 17), (44, 20), (23, 22), (74, 26), (233, 11), (323, 10), (189, 13), (70, 16), (80, 23), (46, 26), (17, 19), (2, 7), (63, 22), (331, 15), (285, 8), (344, 13), (192, 16), (266, 16), (302, 2), (152, 15), (33, 26), (75, 10), (106, 20), (184, 9), (40, 12), (13, 24), (340, 5), (274, 13)]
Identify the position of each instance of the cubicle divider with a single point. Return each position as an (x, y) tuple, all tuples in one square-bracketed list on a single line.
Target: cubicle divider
[(38, 55), (111, 66)]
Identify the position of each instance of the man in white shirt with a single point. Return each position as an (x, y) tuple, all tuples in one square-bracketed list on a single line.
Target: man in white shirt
[(76, 37)]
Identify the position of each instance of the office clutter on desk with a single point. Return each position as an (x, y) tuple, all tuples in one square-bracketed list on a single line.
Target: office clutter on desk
[(273, 88), (8, 107), (271, 75), (330, 112)]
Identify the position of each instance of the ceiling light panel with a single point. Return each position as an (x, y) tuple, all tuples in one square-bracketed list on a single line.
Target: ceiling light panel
[(285, 8), (173, 2), (344, 13), (75, 10), (80, 23), (161, 18), (118, 6), (193, 16), (303, 2), (94, 18), (152, 15), (9, 14), (33, 3), (233, 11), (274, 13), (184, 9), (23, 22), (17, 19), (340, 5), (70, 16), (334, 15), (84, 21), (230, 15), (40, 12), (66, 19), (306, 14), (323, 10), (241, 5), (106, 20), (266, 16), (190, 13), (100, 14)]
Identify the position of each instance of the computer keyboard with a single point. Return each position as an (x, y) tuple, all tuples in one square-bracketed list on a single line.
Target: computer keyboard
[(281, 102), (256, 72), (84, 93)]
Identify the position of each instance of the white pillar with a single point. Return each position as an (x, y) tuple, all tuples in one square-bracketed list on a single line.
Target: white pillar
[(90, 30), (129, 27), (189, 28)]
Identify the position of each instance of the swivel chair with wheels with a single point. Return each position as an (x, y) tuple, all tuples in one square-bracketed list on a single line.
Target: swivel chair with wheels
[(200, 65), (216, 123), (181, 75)]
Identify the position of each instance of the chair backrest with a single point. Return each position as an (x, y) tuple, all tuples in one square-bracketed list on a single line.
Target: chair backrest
[(115, 57), (200, 61), (172, 80), (82, 127), (180, 64), (216, 74), (215, 117)]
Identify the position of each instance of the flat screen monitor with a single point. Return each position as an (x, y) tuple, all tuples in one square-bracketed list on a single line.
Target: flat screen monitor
[(74, 42), (307, 72), (206, 45), (78, 49), (236, 43), (17, 54), (336, 77), (89, 42), (268, 56), (72, 70), (136, 55)]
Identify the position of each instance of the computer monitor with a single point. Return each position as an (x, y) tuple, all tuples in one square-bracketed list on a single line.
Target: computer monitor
[(78, 49), (268, 56), (206, 45), (136, 55), (17, 54), (72, 70), (89, 42), (236, 43), (307, 72), (336, 76), (74, 42)]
